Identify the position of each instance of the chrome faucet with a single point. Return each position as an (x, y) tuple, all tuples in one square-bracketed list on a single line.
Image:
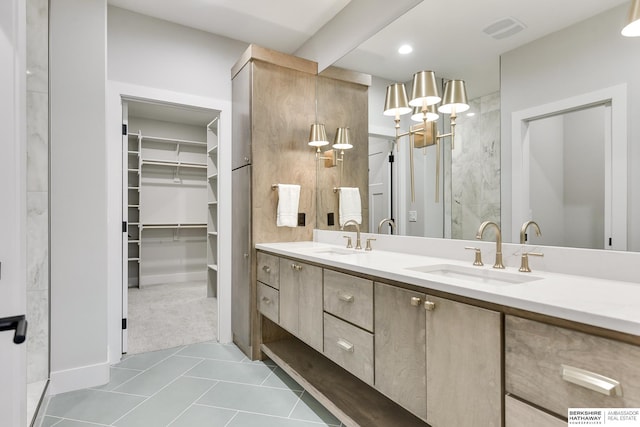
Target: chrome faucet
[(524, 259), (483, 226), (354, 223), (391, 223)]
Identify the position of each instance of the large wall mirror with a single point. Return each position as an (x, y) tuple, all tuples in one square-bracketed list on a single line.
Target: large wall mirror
[(533, 59)]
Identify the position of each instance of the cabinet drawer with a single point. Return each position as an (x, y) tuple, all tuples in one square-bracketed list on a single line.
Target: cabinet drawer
[(268, 302), (519, 414), (350, 298), (350, 347), (268, 269), (554, 367)]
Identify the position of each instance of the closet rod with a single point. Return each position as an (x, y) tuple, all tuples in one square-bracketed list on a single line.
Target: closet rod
[(176, 164), (170, 226), (168, 140)]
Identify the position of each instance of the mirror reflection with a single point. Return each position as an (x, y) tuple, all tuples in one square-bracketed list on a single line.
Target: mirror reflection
[(476, 176)]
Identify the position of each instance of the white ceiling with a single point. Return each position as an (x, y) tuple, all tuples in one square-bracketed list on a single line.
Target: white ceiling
[(446, 34)]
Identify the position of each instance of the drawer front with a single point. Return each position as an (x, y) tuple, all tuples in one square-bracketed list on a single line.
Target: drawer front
[(350, 347), (555, 368), (350, 298), (519, 414), (268, 302), (268, 270)]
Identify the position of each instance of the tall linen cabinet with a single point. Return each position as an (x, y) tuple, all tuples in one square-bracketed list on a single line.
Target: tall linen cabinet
[(274, 103)]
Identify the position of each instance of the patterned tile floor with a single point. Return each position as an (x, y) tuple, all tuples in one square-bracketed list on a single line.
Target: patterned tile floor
[(206, 384)]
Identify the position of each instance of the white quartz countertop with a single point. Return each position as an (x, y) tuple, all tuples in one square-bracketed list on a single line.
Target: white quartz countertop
[(608, 304)]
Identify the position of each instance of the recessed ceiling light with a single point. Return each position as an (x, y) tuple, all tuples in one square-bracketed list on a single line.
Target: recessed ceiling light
[(471, 114), (405, 49)]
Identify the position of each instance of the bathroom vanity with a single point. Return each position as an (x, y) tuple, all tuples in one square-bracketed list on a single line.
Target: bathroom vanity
[(384, 338)]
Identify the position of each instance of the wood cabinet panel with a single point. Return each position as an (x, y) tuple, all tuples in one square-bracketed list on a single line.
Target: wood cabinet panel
[(349, 346), (400, 345), (268, 269), (301, 301), (268, 301), (349, 298), (310, 324), (519, 414), (536, 352), (464, 365)]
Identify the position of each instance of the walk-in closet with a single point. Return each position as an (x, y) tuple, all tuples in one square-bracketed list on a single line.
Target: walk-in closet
[(170, 244)]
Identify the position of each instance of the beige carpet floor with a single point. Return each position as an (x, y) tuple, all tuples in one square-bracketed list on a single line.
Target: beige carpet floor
[(171, 315)]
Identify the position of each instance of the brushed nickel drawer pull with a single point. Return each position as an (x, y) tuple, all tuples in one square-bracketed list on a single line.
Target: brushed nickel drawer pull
[(415, 301), (346, 297), (296, 267), (429, 305), (266, 300), (345, 345), (591, 380), (266, 269)]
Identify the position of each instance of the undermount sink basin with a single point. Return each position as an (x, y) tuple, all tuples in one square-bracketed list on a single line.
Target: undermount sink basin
[(476, 274), (335, 251)]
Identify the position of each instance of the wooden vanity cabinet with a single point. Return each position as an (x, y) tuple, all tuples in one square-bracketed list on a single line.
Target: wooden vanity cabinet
[(301, 301), (400, 347), (464, 364), (438, 358), (520, 414), (557, 368)]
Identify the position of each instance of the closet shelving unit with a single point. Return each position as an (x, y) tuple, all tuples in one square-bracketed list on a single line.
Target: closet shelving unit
[(212, 208), (171, 181), (133, 209)]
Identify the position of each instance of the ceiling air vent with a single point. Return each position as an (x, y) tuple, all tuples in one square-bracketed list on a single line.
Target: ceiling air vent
[(504, 28)]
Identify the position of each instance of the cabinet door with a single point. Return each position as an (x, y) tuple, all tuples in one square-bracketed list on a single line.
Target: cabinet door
[(400, 342), (289, 296), (301, 301), (241, 114), (241, 255), (463, 365), (310, 316)]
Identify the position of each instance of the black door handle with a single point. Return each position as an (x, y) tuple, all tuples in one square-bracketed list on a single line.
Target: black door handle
[(17, 324)]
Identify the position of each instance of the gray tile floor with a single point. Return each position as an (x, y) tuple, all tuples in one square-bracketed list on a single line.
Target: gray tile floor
[(206, 384)]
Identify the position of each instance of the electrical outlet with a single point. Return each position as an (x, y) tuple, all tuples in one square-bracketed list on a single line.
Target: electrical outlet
[(413, 216)]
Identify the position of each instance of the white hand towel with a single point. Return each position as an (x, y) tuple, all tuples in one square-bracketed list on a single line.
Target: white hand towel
[(350, 207), (288, 199)]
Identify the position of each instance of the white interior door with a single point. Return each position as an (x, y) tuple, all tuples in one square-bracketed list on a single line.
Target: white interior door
[(125, 228), (12, 210), (379, 182)]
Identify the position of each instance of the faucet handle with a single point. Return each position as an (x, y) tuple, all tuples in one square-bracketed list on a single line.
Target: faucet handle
[(349, 243), (369, 248), (524, 261), (478, 258)]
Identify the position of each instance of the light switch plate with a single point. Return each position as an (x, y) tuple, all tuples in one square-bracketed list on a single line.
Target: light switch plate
[(413, 216)]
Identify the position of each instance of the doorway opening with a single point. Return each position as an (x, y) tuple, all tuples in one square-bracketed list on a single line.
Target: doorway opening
[(569, 170), (170, 225)]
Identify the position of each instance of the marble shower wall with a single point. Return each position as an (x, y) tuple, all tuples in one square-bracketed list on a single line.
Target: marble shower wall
[(38, 190), (475, 168)]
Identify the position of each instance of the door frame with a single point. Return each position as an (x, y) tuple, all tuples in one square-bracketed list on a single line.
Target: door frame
[(115, 92), (13, 193), (615, 158)]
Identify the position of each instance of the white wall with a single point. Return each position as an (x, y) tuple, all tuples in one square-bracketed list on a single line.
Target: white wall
[(586, 57), (150, 52), (78, 194), (158, 60)]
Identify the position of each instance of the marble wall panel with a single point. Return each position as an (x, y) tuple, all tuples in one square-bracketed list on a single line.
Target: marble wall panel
[(37, 190), (475, 168)]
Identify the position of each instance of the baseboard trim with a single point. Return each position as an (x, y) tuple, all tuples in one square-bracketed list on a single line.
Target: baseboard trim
[(78, 378), (161, 279)]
